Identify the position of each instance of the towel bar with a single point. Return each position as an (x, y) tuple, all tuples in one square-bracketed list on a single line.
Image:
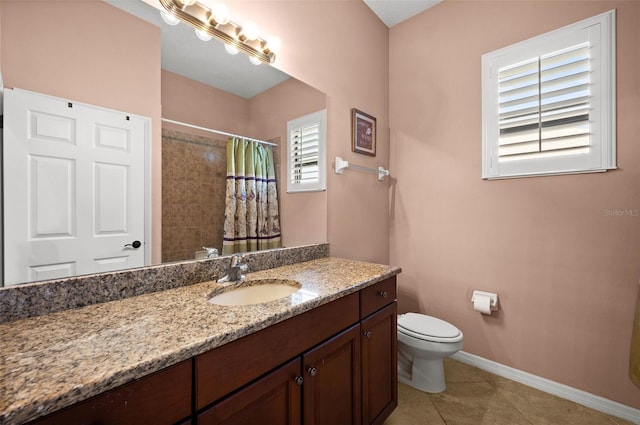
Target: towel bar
[(341, 164)]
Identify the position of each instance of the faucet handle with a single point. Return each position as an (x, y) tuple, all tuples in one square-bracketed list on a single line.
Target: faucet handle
[(236, 260), (211, 252)]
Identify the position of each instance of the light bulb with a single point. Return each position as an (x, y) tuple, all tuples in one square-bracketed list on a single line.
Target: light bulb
[(250, 31), (220, 14), (232, 50), (254, 60), (202, 35), (169, 18), (274, 44)]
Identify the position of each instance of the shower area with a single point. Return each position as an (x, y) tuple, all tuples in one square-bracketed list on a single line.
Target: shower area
[(194, 192)]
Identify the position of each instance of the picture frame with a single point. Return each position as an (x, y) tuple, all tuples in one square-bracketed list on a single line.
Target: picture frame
[(363, 133)]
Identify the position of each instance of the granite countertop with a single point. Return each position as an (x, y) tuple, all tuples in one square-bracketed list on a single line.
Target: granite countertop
[(52, 361)]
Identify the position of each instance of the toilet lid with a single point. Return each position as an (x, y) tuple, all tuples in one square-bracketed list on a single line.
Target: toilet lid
[(428, 328)]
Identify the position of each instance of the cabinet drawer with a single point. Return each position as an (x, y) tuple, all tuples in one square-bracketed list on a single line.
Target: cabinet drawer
[(227, 368), (163, 397), (377, 296)]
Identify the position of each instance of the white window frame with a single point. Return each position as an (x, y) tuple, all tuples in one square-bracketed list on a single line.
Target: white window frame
[(599, 31), (316, 118)]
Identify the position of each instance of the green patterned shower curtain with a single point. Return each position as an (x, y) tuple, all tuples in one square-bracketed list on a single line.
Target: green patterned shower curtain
[(251, 218)]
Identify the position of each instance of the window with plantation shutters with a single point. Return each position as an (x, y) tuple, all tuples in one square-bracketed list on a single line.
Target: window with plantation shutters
[(306, 169), (549, 103)]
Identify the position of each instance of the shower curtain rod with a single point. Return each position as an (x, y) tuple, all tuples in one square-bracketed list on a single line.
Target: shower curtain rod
[(211, 130)]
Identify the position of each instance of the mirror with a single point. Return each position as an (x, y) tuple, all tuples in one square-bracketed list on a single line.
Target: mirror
[(206, 62), (107, 61)]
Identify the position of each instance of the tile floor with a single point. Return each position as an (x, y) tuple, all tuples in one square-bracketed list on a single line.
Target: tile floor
[(476, 397)]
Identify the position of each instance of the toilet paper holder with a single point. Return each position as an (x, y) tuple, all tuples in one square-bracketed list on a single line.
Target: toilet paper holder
[(494, 298)]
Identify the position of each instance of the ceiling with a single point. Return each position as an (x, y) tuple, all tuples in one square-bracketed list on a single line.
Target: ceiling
[(208, 62), (392, 12)]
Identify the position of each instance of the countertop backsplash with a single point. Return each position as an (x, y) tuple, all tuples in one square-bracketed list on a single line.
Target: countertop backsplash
[(39, 298)]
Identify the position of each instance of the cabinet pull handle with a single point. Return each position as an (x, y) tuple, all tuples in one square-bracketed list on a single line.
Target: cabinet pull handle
[(312, 371), (367, 334), (299, 380), (383, 294)]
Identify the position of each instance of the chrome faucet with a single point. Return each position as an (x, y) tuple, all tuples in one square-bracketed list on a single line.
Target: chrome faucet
[(236, 270), (211, 252)]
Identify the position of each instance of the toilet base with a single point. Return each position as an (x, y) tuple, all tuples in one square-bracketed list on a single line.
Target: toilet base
[(426, 375)]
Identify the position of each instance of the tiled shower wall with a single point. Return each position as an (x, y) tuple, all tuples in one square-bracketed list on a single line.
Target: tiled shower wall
[(194, 170), (193, 193)]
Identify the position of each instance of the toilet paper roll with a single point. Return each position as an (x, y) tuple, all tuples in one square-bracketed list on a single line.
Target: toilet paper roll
[(482, 303)]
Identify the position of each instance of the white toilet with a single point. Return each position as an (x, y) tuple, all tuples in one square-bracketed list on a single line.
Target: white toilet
[(423, 343)]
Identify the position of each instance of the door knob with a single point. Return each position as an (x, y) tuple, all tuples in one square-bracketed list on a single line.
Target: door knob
[(367, 334), (299, 380), (134, 244), (312, 371)]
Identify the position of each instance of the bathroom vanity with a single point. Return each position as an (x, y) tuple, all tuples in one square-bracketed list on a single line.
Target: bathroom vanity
[(343, 354), (328, 357)]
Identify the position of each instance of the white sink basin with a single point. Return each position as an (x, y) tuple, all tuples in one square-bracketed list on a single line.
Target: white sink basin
[(256, 292)]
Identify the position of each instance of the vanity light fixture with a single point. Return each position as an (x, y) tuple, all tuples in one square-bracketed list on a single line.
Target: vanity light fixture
[(213, 22), (232, 50), (220, 13), (254, 60), (169, 19), (204, 36)]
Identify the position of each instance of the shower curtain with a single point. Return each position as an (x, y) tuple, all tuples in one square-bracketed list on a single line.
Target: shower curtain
[(251, 218)]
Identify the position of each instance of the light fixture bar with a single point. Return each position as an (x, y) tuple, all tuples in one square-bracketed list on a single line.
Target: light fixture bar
[(201, 18)]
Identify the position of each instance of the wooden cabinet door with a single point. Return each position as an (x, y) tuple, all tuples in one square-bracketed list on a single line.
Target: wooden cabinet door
[(273, 399), (379, 365), (164, 397), (229, 367), (331, 389)]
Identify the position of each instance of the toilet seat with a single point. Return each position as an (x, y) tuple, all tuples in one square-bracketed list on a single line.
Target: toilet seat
[(428, 328)]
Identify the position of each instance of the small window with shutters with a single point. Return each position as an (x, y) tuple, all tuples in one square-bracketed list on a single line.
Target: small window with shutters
[(306, 163), (548, 103)]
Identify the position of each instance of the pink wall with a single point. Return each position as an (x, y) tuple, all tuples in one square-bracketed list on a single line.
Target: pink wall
[(192, 102), (58, 48), (566, 270), (303, 216), (347, 60)]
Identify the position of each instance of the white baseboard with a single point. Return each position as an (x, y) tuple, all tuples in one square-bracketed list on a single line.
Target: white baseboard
[(584, 398)]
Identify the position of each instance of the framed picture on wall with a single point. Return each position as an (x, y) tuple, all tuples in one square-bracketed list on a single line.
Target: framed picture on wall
[(363, 133)]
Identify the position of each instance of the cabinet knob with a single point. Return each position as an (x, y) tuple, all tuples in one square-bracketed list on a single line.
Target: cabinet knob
[(312, 371), (383, 294), (298, 380), (367, 334)]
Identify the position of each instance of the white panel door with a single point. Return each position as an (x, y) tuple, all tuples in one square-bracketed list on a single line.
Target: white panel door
[(74, 179)]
